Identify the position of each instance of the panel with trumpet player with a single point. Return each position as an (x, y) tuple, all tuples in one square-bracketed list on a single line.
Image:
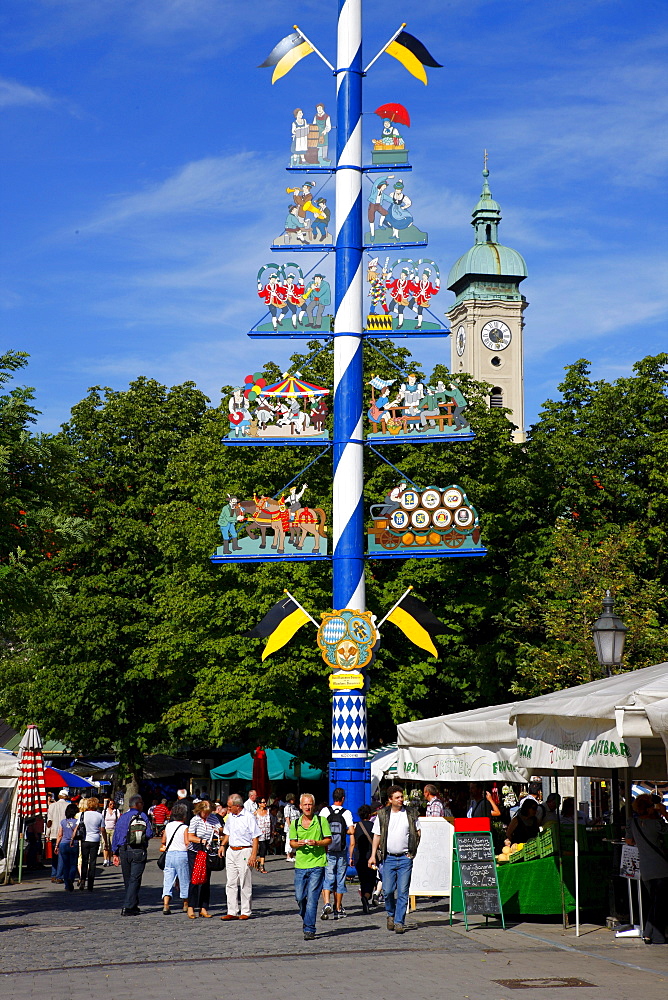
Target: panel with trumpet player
[(307, 220)]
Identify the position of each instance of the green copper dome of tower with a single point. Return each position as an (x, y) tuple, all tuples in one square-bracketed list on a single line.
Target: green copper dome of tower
[(488, 263), (487, 316)]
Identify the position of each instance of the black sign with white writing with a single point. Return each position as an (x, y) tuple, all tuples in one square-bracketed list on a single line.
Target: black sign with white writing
[(482, 901), (474, 847), (477, 873)]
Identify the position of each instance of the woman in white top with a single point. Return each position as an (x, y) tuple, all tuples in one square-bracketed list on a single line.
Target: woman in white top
[(200, 836), (175, 844), (91, 819), (290, 814), (110, 818)]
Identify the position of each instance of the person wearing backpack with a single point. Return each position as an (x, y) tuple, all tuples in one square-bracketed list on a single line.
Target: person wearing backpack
[(341, 826), (129, 846)]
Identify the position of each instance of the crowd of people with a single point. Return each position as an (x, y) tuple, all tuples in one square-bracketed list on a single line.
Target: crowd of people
[(199, 836)]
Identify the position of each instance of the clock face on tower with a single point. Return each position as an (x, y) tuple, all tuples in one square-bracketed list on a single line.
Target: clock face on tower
[(496, 335), (461, 340)]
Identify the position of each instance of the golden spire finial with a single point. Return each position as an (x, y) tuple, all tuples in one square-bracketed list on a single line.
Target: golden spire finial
[(485, 160)]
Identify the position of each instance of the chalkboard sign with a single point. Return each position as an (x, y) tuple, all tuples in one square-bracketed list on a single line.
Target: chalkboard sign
[(474, 847), (481, 901), (476, 874)]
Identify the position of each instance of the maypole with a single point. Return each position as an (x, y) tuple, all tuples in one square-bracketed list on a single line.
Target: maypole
[(349, 729), (436, 521)]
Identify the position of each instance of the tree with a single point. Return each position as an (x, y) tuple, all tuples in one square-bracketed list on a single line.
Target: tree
[(597, 474), (84, 672), (33, 481), (204, 609)]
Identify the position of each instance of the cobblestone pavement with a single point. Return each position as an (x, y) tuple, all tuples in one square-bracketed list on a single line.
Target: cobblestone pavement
[(67, 945)]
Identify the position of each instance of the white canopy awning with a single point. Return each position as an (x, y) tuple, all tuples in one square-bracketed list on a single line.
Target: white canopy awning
[(477, 745), (595, 726), (382, 762)]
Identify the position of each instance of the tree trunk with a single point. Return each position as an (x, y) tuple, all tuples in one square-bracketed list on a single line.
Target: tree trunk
[(131, 788)]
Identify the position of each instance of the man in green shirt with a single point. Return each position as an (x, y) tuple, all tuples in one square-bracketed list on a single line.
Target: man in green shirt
[(310, 837)]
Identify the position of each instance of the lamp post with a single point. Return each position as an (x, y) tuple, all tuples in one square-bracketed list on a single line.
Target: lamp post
[(609, 633)]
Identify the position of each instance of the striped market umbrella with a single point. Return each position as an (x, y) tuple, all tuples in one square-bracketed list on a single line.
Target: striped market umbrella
[(31, 790), (291, 385)]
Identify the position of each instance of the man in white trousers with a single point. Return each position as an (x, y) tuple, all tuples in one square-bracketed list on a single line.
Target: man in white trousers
[(240, 842)]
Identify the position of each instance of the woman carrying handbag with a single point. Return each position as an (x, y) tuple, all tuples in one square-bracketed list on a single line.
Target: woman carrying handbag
[(174, 858), (200, 836)]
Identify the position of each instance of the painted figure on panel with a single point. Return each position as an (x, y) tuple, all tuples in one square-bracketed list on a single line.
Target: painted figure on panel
[(289, 297), (299, 139), (317, 296), (392, 205), (424, 519), (389, 148), (307, 219), (262, 514), (287, 410), (323, 123), (409, 285), (417, 410)]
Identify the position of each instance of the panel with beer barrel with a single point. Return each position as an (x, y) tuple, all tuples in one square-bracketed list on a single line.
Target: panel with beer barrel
[(432, 517)]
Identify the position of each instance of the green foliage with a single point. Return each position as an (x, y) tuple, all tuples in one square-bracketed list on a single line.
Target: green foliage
[(133, 640), (84, 670), (33, 479)]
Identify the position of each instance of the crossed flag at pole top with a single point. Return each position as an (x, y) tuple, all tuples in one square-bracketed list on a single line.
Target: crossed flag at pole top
[(287, 616), (408, 49)]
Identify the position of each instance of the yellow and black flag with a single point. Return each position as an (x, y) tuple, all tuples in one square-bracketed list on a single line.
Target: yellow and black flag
[(412, 54), (417, 623), (287, 54), (279, 624)]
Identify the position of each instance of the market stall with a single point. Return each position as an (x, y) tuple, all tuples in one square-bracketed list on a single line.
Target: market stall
[(595, 729)]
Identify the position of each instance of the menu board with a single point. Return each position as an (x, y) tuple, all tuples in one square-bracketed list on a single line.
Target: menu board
[(432, 867), (477, 873)]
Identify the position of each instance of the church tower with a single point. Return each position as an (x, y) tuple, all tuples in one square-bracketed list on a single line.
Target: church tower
[(487, 316)]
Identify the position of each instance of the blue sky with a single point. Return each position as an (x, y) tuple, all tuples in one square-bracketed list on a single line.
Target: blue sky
[(142, 175)]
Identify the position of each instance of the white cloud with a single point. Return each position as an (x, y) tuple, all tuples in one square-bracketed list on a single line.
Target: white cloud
[(15, 94), (594, 298), (227, 183)]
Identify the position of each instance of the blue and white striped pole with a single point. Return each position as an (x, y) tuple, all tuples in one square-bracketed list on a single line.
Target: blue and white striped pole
[(349, 731)]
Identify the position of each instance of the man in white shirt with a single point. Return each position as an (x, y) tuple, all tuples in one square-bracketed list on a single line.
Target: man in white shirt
[(240, 840), (342, 827), (54, 817), (396, 834), (250, 805)]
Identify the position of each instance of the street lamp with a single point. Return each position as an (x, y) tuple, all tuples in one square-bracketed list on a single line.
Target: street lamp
[(609, 634)]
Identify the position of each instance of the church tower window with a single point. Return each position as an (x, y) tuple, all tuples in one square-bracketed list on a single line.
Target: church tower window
[(496, 397)]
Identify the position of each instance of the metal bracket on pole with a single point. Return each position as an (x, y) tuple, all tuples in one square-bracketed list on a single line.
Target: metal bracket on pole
[(300, 474), (387, 462)]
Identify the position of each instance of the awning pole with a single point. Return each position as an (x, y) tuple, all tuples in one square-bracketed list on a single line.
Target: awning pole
[(577, 856)]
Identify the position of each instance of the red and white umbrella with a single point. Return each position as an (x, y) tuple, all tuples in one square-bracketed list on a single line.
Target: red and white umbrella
[(31, 791)]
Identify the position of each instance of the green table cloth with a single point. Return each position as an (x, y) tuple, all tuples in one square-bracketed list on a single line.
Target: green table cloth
[(534, 886)]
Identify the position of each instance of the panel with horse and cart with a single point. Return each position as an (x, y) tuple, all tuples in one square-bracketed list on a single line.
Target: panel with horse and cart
[(266, 528)]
